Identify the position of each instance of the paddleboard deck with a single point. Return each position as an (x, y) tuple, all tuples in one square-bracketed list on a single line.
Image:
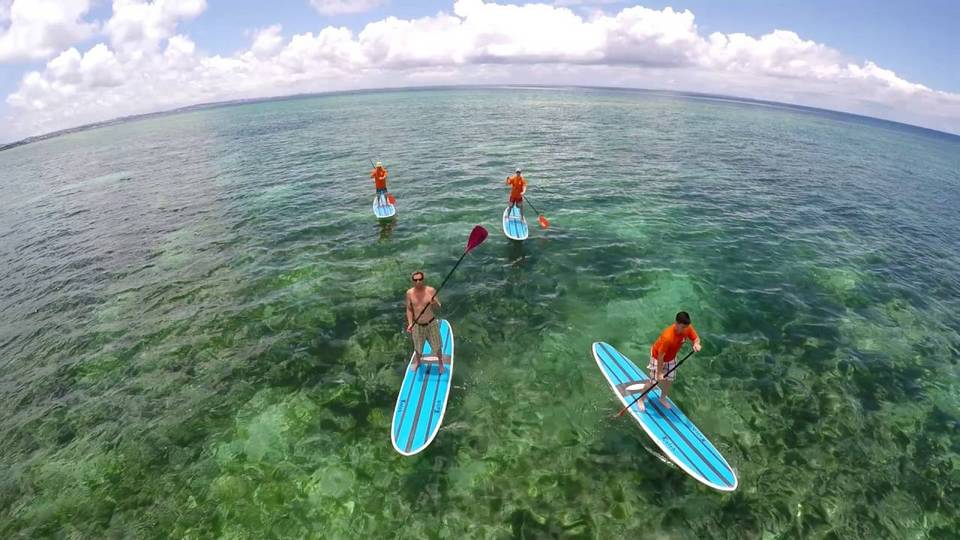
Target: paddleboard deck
[(674, 433), (382, 208), (423, 398), (514, 224)]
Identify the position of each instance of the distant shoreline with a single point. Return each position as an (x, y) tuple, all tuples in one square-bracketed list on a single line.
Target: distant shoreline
[(664, 93)]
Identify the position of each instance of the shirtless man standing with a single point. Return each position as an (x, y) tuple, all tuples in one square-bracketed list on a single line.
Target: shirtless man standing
[(422, 300)]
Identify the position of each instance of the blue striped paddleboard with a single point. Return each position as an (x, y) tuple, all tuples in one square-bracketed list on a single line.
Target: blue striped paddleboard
[(423, 398), (382, 208), (514, 224), (673, 432)]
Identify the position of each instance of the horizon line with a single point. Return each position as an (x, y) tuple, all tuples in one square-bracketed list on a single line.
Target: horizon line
[(306, 95)]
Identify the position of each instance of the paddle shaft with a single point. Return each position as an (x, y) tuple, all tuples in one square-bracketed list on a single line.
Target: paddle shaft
[(655, 383), (531, 203), (436, 292), (372, 164)]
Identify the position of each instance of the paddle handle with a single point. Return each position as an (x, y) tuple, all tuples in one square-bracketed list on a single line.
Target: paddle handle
[(655, 383)]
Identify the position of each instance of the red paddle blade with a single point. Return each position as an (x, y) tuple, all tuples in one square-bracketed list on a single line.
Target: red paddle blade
[(477, 236), (543, 222), (391, 199)]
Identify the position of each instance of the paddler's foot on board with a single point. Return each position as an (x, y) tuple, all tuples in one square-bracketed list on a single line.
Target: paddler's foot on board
[(641, 406), (415, 364), (664, 402)]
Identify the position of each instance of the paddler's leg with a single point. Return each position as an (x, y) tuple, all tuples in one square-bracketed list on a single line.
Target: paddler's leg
[(646, 386), (418, 334), (640, 404), (667, 383), (436, 344), (652, 368)]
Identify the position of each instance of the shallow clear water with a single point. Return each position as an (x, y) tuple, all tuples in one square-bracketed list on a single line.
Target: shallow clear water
[(202, 321)]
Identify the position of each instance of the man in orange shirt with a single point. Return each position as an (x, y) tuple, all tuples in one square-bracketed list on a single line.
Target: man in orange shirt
[(379, 175), (518, 186), (663, 355)]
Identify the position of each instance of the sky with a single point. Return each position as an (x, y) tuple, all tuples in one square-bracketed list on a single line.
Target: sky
[(65, 63)]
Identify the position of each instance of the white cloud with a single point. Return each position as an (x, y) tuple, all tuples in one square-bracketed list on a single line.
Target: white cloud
[(180, 53), (100, 68), (343, 7), (148, 67), (65, 67), (267, 41), (38, 29), (138, 26), (780, 53), (565, 3), (884, 78)]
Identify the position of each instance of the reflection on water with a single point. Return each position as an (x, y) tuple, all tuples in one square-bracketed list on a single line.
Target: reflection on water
[(386, 227)]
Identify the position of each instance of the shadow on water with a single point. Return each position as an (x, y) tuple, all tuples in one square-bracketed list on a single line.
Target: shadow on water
[(515, 252), (385, 228), (426, 484)]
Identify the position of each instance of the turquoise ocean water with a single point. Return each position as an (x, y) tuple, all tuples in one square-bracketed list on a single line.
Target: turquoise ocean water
[(201, 321)]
